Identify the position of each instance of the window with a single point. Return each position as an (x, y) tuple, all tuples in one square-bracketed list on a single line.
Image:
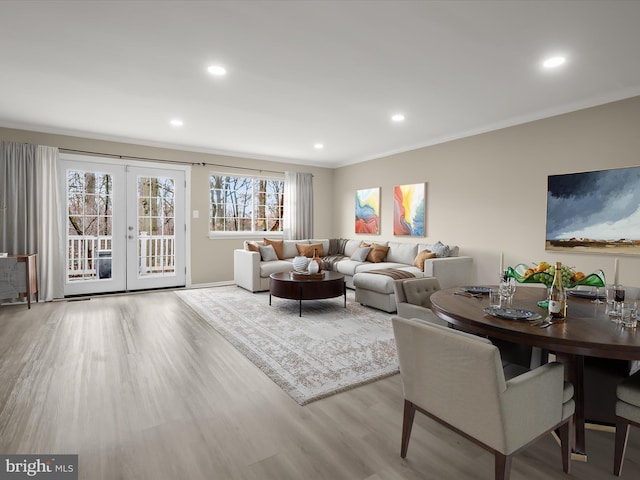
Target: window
[(245, 204)]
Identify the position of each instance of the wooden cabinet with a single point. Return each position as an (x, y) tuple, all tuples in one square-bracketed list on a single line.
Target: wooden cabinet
[(18, 277)]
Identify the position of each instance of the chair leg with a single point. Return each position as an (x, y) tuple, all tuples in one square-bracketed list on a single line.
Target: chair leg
[(503, 466), (622, 433), (564, 432), (407, 423)]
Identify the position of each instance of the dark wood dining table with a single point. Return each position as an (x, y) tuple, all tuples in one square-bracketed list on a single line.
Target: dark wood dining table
[(587, 331)]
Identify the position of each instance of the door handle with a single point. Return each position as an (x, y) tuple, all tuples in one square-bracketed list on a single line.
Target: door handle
[(130, 237)]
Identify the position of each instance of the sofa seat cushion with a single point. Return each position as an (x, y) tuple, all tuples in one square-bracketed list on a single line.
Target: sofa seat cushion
[(348, 266), (367, 266), (267, 268), (377, 283)]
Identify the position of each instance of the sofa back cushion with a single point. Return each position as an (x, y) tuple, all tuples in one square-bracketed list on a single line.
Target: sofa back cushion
[(289, 248), (351, 246), (402, 252)]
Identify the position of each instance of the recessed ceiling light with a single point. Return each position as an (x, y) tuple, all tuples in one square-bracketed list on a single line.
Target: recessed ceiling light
[(553, 62), (217, 70), (176, 122), (398, 117), (318, 146)]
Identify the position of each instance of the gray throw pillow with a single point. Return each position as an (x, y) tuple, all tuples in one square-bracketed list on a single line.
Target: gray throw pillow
[(440, 249), (360, 255), (268, 253)]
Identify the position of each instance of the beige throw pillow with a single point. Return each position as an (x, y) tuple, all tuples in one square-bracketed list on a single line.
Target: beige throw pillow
[(253, 247), (421, 257), (307, 249), (377, 253)]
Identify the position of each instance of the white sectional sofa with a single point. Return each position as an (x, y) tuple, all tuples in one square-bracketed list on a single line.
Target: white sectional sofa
[(375, 290)]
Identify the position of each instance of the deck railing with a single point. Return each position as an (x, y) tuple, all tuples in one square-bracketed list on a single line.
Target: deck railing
[(85, 254)]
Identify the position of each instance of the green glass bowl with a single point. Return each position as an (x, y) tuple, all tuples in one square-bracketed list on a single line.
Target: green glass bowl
[(595, 279)]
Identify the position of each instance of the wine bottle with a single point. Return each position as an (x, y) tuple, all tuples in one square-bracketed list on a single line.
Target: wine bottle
[(557, 295)]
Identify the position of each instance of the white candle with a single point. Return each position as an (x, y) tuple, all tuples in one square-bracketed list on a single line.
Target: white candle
[(615, 271), (501, 263)]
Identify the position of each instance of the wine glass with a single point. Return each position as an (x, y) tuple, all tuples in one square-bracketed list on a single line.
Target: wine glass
[(507, 288), (597, 299)]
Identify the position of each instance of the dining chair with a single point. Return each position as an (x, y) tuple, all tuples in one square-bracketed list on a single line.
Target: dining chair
[(456, 379), (413, 298), (601, 378), (627, 413)]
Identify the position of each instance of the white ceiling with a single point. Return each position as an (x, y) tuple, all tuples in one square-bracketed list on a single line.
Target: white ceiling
[(302, 72)]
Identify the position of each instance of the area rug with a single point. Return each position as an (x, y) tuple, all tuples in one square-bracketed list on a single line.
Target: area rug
[(328, 350)]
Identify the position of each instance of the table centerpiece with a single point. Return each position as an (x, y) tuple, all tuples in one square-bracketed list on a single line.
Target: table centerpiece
[(543, 272)]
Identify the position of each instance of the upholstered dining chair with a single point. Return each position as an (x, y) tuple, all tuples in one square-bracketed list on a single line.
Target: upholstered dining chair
[(627, 413), (601, 378), (413, 298), (456, 379)]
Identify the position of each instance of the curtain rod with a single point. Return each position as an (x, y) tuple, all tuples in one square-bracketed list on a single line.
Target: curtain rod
[(180, 162)]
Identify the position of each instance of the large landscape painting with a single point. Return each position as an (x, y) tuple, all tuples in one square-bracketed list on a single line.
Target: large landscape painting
[(595, 212)]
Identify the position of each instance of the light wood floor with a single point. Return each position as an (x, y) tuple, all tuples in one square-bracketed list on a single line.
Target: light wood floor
[(141, 388)]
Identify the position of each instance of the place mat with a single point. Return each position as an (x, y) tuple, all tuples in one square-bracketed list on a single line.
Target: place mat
[(511, 313), (476, 289), (585, 294)]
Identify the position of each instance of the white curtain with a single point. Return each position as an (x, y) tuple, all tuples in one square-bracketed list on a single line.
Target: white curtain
[(298, 205), (29, 211)]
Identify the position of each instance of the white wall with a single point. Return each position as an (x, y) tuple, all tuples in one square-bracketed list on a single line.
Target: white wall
[(487, 193)]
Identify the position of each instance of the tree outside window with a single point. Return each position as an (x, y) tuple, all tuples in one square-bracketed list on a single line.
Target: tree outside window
[(245, 204)]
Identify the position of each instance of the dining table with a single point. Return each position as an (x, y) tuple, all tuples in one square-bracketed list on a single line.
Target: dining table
[(587, 330)]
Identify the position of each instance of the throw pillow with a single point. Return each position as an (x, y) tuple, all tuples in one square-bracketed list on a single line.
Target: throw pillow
[(268, 253), (377, 253), (253, 247), (440, 249), (307, 249), (360, 255), (421, 257), (278, 246)]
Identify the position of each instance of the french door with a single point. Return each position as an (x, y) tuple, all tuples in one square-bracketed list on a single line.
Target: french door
[(125, 227)]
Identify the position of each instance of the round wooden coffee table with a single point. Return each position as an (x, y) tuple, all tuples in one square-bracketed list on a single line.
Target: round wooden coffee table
[(283, 285)]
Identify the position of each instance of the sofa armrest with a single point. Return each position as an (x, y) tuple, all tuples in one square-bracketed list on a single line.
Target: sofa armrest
[(450, 271), (246, 269)]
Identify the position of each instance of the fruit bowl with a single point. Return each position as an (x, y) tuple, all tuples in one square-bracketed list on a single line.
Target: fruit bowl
[(526, 274)]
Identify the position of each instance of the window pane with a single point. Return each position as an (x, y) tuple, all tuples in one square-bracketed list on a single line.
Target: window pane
[(245, 203)]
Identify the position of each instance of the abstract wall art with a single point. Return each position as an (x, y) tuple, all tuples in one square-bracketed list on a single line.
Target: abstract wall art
[(368, 211), (408, 209), (594, 212)]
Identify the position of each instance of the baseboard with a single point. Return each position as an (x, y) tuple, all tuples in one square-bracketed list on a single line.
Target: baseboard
[(212, 284)]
